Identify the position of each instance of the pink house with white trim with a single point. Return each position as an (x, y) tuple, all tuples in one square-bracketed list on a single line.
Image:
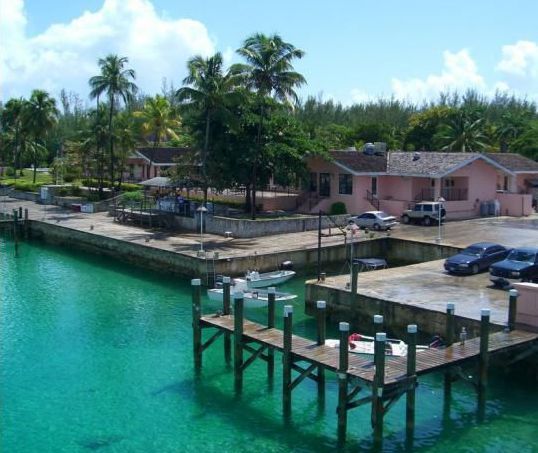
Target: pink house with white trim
[(391, 181)]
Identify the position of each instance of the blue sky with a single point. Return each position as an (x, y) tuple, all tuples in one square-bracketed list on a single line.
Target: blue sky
[(355, 50)]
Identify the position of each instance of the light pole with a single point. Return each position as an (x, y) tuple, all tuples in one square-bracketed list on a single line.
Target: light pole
[(440, 200), (201, 210)]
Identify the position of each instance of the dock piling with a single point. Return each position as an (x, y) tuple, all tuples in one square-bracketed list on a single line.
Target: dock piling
[(483, 359), (238, 341), (354, 279), (512, 308), (26, 223), (226, 311), (411, 376), (321, 318), (196, 327), (377, 388), (271, 296), (15, 232), (342, 381), (20, 212), (286, 360), (449, 340)]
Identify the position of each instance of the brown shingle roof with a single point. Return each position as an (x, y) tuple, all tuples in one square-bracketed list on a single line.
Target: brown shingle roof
[(359, 162), (163, 155), (514, 162)]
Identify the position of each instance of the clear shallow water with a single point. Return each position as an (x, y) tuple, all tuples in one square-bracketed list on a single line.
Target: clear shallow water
[(95, 356)]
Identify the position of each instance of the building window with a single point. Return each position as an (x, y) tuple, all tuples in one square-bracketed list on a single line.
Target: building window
[(345, 184), (313, 186), (325, 184)]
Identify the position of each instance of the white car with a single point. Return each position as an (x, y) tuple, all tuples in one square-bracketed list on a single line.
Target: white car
[(376, 220)]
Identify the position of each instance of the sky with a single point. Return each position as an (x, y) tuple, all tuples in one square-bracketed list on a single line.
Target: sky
[(355, 50)]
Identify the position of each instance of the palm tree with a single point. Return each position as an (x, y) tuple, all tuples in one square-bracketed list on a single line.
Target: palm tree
[(463, 133), (159, 120), (14, 126), (116, 83), (210, 90), (41, 115), (126, 139), (269, 72)]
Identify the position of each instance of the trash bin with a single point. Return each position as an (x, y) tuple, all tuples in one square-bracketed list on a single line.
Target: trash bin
[(483, 208)]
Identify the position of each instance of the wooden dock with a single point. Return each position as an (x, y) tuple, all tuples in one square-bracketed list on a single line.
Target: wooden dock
[(362, 366), (380, 380)]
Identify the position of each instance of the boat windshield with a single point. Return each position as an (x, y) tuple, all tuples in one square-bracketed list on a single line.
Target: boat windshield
[(472, 251), (525, 256)]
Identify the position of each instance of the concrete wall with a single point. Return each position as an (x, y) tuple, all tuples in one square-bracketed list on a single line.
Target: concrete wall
[(527, 306), (29, 196), (514, 204)]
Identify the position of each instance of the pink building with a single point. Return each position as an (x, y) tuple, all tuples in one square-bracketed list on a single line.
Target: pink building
[(393, 180), (147, 163)]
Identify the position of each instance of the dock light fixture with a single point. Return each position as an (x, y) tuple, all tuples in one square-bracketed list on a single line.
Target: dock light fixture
[(201, 210), (440, 200)]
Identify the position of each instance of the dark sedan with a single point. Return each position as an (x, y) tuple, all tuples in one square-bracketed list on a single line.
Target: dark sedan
[(475, 258), (520, 265)]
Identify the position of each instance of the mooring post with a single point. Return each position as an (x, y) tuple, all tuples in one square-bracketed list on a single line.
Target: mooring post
[(20, 212), (196, 327), (354, 278), (286, 360), (449, 340), (342, 381), (377, 388), (271, 296), (26, 223), (226, 311), (512, 308), (378, 323), (238, 341), (411, 382), (322, 317), (15, 232), (484, 358)]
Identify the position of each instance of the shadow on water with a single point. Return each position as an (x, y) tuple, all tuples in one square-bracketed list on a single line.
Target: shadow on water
[(100, 442)]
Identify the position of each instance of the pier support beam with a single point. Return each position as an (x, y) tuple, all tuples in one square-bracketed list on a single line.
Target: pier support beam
[(226, 310), (271, 296), (196, 327), (483, 361), (321, 319), (411, 376), (377, 389), (512, 309), (238, 342), (342, 381), (287, 361)]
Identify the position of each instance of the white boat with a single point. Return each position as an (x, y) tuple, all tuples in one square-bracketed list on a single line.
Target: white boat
[(366, 345), (256, 280), (252, 297)]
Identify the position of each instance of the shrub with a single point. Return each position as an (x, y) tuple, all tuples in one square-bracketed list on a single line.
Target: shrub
[(338, 208), (69, 178), (63, 192), (76, 191), (132, 197), (24, 186), (10, 171), (128, 187)]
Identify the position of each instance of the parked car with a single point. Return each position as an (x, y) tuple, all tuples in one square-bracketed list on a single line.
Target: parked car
[(425, 212), (521, 264), (377, 220), (475, 258)]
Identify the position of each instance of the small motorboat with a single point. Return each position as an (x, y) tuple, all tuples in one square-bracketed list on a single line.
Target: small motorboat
[(252, 297), (263, 280), (362, 344)]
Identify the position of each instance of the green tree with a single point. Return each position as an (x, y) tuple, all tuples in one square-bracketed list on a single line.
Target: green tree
[(40, 116), (210, 90), (268, 72), (125, 129), (463, 132), (14, 127), (116, 82)]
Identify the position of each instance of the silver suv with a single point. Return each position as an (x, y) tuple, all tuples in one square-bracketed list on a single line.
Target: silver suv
[(425, 212)]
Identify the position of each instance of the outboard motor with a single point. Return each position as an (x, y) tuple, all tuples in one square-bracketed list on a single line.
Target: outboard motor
[(286, 265)]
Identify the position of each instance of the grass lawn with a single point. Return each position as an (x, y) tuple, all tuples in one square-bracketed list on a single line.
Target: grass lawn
[(28, 177)]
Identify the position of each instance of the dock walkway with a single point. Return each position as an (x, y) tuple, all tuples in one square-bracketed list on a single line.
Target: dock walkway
[(362, 367)]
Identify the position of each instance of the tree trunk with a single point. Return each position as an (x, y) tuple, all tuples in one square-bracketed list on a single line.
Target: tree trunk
[(204, 156), (111, 141), (248, 202), (255, 163)]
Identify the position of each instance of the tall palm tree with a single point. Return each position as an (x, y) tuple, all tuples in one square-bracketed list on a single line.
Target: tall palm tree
[(41, 115), (116, 82), (159, 120), (14, 125), (463, 133), (210, 90), (126, 139), (269, 72)]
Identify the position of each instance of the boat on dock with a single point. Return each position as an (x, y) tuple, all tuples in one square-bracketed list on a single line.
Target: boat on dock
[(252, 297), (363, 344), (256, 279)]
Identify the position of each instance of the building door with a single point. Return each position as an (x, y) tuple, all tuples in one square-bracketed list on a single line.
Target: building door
[(374, 185)]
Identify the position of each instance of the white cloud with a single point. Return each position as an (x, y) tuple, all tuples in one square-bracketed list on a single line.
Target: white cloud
[(519, 67), (459, 74), (65, 55)]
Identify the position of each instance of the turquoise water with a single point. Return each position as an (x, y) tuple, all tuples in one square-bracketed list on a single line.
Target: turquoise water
[(96, 356)]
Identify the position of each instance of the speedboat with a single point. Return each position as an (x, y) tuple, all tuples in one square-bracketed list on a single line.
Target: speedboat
[(256, 280), (252, 297), (362, 344)]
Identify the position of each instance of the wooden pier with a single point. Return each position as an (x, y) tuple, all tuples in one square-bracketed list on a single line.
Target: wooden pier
[(380, 380)]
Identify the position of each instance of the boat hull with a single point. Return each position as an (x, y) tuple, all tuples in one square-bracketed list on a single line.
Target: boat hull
[(255, 280), (251, 298)]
